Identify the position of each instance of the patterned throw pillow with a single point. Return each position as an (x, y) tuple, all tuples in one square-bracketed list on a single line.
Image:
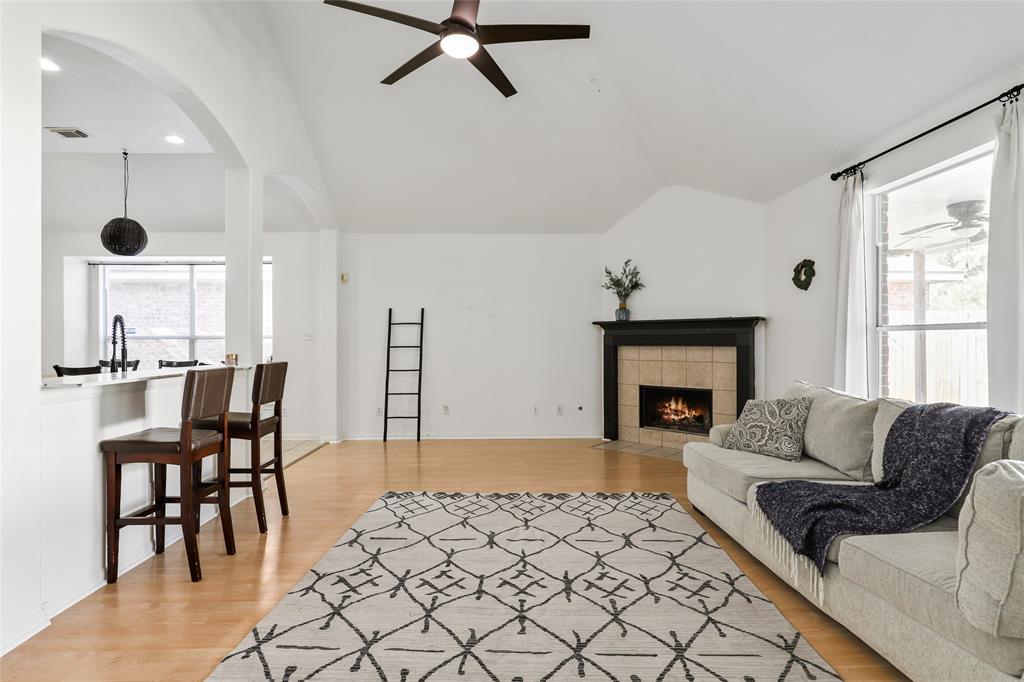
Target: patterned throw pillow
[(771, 427)]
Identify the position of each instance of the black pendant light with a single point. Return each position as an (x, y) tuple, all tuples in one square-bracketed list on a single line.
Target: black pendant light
[(124, 236)]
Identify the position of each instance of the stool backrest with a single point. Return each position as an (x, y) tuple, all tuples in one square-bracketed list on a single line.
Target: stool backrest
[(133, 365), (268, 384), (207, 393), (75, 371), (176, 363)]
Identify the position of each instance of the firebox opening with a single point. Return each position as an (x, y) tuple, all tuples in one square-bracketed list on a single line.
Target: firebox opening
[(675, 409)]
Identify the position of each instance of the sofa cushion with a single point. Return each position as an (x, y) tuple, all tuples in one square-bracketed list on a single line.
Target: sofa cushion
[(888, 410), (774, 428), (996, 446), (916, 573), (734, 471), (990, 555), (839, 429)]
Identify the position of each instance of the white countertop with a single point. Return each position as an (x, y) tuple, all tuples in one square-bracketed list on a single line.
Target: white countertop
[(118, 378)]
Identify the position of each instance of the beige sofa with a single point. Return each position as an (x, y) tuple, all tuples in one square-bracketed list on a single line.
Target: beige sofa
[(895, 592)]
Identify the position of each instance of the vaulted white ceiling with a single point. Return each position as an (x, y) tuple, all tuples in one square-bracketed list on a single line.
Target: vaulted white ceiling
[(747, 99)]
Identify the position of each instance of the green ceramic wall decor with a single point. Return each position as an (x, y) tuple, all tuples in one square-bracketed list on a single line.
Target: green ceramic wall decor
[(803, 273)]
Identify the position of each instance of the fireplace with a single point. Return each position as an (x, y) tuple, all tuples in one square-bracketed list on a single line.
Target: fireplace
[(712, 355), (676, 409)]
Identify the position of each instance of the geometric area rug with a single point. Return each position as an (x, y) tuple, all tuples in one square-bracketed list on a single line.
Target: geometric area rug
[(519, 587)]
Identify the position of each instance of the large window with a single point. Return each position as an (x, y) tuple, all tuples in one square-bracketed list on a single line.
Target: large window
[(173, 311), (932, 278)]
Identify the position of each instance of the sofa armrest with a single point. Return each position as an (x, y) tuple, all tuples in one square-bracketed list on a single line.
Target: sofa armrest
[(719, 434), (990, 553)]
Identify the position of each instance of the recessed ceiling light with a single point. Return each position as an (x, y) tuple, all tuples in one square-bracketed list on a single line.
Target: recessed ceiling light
[(48, 64), (175, 139)]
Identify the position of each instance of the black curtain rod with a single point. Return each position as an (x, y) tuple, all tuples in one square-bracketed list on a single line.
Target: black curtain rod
[(1011, 94)]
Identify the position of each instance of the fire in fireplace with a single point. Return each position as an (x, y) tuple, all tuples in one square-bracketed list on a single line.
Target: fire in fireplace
[(675, 409)]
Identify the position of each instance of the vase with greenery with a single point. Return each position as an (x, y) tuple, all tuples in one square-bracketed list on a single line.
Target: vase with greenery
[(623, 284)]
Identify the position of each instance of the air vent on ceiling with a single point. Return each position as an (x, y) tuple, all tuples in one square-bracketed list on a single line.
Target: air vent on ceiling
[(68, 132)]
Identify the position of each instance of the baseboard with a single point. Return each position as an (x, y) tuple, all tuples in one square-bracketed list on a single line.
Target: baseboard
[(24, 634), (71, 596)]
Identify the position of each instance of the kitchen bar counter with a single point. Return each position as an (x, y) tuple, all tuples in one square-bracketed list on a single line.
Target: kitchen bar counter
[(76, 414), (120, 378)]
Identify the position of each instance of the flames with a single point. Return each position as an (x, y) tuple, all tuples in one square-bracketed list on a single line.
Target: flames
[(677, 412)]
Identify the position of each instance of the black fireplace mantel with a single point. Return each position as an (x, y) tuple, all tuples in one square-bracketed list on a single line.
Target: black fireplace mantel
[(710, 331)]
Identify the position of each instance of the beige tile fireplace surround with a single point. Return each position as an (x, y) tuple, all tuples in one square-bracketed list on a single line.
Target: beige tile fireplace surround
[(707, 367)]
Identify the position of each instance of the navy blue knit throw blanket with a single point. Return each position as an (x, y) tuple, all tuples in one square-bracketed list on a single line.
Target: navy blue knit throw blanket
[(929, 456)]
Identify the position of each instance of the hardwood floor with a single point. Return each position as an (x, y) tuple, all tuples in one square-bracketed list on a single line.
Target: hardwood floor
[(156, 625)]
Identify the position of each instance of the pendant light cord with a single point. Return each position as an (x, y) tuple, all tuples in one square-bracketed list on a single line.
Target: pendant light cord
[(124, 153)]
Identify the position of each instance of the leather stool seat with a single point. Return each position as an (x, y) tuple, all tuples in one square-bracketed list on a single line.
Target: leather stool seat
[(239, 423), (159, 440)]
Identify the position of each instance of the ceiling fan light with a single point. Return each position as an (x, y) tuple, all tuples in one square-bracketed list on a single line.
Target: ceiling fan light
[(459, 45)]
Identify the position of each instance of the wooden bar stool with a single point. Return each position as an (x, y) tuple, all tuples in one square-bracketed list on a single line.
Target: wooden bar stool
[(267, 387), (176, 363), (207, 394)]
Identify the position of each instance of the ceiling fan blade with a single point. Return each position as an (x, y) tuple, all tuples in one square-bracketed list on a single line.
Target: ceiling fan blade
[(397, 17), (465, 11), (486, 65), (926, 228), (416, 62), (522, 33)]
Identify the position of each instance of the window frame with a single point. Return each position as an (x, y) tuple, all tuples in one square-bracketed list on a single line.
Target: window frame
[(192, 337), (877, 255)]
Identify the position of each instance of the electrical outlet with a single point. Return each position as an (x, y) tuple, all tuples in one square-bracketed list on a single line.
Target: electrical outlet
[(536, 410), (560, 411), (309, 336), (380, 411), (444, 410)]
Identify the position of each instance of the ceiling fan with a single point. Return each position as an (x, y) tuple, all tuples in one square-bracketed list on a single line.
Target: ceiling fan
[(461, 37), (968, 223)]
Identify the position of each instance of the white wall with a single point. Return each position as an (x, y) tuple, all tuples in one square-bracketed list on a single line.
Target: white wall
[(508, 327), (167, 193), (802, 224), (700, 254)]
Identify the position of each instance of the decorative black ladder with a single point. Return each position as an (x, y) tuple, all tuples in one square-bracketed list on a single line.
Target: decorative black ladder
[(418, 370)]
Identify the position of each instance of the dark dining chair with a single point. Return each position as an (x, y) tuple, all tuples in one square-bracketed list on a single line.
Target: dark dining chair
[(133, 365), (207, 396), (63, 371), (177, 363), (267, 387)]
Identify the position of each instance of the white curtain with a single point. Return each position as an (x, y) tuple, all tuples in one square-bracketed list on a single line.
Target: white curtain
[(1006, 264), (852, 367)]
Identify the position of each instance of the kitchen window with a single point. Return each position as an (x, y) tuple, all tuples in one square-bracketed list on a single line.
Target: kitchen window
[(932, 275), (173, 311)]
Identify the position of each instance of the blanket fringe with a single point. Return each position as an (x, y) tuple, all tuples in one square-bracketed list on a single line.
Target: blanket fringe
[(802, 571)]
